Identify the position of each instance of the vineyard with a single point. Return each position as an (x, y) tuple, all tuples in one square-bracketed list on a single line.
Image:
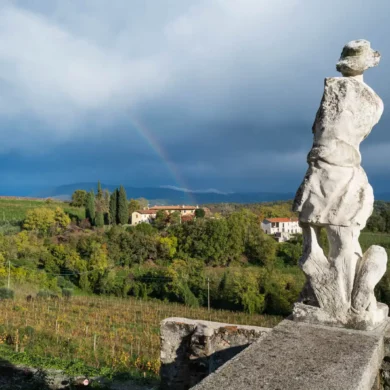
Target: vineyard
[(14, 210), (110, 335)]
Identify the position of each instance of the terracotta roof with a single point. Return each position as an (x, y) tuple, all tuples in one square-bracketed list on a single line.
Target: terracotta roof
[(146, 211), (183, 207), (281, 219)]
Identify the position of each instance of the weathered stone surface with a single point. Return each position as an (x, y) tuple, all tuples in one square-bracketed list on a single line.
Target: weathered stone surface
[(192, 349), (304, 356), (335, 195), (356, 57), (365, 320)]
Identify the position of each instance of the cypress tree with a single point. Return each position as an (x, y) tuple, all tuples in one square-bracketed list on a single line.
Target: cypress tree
[(113, 206), (123, 210), (90, 208), (99, 191), (99, 219)]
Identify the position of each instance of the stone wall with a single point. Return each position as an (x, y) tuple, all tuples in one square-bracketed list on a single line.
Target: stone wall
[(191, 349), (384, 373)]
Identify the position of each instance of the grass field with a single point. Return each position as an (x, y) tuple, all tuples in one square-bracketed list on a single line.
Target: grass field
[(108, 334), (14, 210), (367, 239)]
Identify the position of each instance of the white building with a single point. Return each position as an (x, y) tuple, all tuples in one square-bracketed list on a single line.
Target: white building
[(281, 225), (141, 216)]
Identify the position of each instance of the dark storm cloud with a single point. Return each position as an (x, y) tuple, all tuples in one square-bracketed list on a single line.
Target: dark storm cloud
[(209, 94)]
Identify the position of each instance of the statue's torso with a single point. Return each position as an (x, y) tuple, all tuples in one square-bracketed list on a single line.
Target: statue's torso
[(348, 111), (335, 190)]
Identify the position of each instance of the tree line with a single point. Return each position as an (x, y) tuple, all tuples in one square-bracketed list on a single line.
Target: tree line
[(105, 208)]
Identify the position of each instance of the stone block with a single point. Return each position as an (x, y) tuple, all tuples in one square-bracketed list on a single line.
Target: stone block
[(192, 349), (298, 355)]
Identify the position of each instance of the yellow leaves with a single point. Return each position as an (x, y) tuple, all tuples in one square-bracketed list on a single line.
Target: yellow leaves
[(61, 218), (168, 245), (42, 219)]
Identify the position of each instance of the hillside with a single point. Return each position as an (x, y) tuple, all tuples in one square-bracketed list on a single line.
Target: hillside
[(13, 211)]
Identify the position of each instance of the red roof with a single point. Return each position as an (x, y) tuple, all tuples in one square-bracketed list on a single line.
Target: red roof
[(146, 211), (281, 219), (183, 207)]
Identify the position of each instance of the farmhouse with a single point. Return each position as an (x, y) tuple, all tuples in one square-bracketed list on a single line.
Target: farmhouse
[(281, 228), (183, 209), (141, 216), (146, 215)]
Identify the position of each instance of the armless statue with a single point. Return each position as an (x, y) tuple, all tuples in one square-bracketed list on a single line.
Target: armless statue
[(335, 195)]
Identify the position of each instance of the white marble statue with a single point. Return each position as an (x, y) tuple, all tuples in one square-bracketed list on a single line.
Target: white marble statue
[(335, 195)]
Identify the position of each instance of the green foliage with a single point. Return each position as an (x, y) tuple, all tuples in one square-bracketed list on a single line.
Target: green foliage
[(13, 211), (200, 213), (99, 195), (161, 220), (6, 293), (247, 292), (79, 198), (99, 219), (44, 219), (44, 294), (174, 218), (67, 293), (113, 207), (123, 211), (145, 228), (90, 207), (134, 205)]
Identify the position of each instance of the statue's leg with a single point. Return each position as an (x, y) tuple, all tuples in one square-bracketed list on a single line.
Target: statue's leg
[(313, 262), (344, 253), (311, 246)]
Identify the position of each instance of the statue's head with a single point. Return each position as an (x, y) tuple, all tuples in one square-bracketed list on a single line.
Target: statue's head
[(356, 57)]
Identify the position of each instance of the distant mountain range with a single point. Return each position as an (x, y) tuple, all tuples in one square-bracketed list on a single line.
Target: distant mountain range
[(172, 195)]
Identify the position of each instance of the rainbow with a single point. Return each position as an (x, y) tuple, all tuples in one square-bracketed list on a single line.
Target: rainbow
[(146, 134)]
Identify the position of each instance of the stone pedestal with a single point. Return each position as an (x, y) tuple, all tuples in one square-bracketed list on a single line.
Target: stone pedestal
[(297, 356)]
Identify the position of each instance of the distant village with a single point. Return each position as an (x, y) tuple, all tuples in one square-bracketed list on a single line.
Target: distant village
[(281, 228)]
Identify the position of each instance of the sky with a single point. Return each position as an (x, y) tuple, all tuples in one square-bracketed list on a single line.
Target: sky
[(200, 94)]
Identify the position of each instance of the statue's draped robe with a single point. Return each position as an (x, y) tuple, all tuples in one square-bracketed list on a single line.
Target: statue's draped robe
[(335, 190)]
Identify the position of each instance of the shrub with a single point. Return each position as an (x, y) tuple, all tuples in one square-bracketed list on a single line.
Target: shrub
[(67, 293), (44, 294), (6, 293)]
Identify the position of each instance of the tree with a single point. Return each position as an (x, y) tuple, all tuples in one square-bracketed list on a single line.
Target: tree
[(167, 247), (99, 195), (106, 208), (61, 219), (174, 218), (79, 198), (143, 202), (99, 219), (43, 220), (200, 213), (90, 208), (123, 211), (161, 219), (134, 205), (113, 206), (40, 219)]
